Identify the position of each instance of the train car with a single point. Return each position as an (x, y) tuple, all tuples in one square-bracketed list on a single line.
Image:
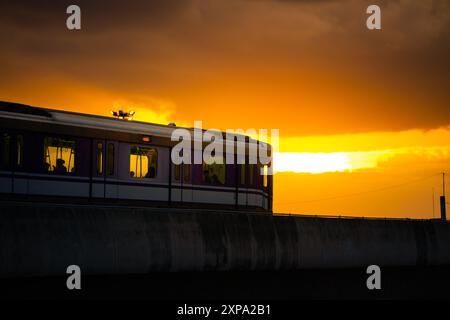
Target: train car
[(54, 155)]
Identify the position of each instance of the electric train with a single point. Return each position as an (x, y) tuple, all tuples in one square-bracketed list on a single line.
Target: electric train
[(60, 156)]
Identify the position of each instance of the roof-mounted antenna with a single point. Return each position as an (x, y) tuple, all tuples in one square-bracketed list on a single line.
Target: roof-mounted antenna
[(122, 115)]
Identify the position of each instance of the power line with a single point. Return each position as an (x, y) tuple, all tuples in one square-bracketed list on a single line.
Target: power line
[(367, 191)]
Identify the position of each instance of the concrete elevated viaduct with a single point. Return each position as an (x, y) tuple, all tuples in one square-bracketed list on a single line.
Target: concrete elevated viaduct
[(42, 240)]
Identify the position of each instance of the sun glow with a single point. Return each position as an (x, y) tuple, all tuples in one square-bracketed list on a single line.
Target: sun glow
[(322, 162), (311, 162), (353, 152)]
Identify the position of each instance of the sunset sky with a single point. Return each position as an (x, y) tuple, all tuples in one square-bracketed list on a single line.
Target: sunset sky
[(364, 116)]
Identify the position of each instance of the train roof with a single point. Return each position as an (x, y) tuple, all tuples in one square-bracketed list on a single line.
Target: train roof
[(20, 111)]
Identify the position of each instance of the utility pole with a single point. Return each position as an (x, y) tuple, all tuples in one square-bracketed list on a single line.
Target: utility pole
[(442, 199)]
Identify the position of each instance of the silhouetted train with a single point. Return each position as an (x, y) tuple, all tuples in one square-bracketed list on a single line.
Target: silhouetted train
[(65, 156)]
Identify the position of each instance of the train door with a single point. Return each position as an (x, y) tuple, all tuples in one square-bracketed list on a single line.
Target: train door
[(242, 182), (6, 182), (186, 190), (111, 169), (12, 177), (98, 168), (182, 183), (147, 170), (20, 179)]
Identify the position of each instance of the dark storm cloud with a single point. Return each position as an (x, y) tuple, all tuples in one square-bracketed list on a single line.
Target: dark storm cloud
[(35, 31), (104, 12), (164, 48)]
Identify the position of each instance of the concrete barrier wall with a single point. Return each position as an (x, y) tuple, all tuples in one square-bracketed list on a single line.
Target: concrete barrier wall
[(42, 240)]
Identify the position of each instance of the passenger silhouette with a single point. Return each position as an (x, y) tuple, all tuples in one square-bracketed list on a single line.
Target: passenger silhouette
[(60, 168)]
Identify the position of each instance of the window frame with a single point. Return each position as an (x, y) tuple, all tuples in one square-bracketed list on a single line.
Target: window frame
[(149, 165), (19, 152), (99, 166), (74, 153), (265, 182), (110, 159)]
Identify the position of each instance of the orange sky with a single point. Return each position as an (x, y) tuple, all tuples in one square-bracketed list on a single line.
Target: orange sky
[(371, 105)]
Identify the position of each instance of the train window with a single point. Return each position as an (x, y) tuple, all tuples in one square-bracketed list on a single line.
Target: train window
[(6, 150), (265, 168), (19, 150), (143, 162), (59, 155), (110, 159), (187, 172), (99, 159), (214, 173), (242, 174)]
